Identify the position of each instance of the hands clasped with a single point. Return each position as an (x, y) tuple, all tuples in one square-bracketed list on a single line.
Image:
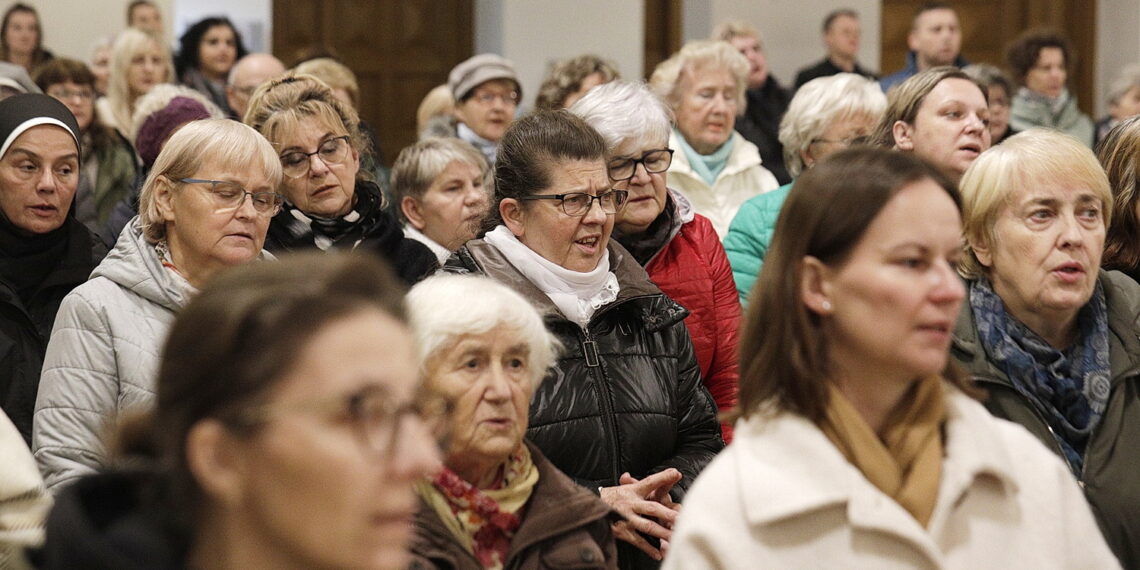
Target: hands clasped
[(647, 507)]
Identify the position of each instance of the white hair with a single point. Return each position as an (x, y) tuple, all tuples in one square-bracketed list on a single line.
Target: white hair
[(625, 111), (819, 103), (443, 308)]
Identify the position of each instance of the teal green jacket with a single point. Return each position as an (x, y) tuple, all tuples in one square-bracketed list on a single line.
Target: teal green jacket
[(749, 236)]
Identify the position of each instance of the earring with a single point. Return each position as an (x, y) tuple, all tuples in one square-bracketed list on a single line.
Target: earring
[(826, 306)]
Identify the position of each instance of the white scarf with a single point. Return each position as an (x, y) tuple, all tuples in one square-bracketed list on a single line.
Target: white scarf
[(578, 295)]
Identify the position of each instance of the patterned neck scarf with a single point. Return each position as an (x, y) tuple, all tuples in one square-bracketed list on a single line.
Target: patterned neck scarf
[(346, 231), (484, 520), (1068, 387)]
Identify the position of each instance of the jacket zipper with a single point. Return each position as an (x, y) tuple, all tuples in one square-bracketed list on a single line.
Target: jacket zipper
[(605, 398)]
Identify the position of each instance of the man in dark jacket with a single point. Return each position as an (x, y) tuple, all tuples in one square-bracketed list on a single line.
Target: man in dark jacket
[(44, 251), (935, 39), (841, 36)]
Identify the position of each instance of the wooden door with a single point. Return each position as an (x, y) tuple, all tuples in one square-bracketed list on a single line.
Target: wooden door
[(988, 26), (662, 32), (399, 50)]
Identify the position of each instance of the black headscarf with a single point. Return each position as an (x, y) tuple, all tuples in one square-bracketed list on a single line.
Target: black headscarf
[(27, 258)]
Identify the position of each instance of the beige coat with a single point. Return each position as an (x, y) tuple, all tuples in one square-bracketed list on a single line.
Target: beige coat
[(741, 179), (782, 496)]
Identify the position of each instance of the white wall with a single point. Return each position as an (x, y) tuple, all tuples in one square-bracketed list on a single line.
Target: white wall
[(536, 33), (1118, 44), (72, 27), (791, 29), (253, 18)]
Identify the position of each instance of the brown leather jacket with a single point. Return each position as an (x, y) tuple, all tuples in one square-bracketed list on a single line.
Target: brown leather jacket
[(563, 526)]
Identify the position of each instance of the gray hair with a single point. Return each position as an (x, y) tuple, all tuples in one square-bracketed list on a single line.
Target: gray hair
[(989, 76), (419, 165), (821, 102), (702, 55), (443, 308), (232, 145), (625, 111), (1125, 81)]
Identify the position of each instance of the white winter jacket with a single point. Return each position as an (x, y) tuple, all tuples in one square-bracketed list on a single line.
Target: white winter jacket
[(742, 178), (782, 496), (103, 356)]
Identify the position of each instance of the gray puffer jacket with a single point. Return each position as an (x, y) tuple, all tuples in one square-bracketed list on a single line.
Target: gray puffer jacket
[(103, 356)]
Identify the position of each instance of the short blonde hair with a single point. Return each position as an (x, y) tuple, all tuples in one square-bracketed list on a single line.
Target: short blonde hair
[(334, 73), (821, 102), (700, 56), (419, 165), (439, 102), (731, 29), (1031, 157), (233, 145), (279, 104)]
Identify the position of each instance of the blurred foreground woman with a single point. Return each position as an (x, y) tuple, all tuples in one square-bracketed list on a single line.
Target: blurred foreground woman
[(857, 448), (281, 437)]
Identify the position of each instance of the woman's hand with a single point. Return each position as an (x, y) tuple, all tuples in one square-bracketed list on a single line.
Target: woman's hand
[(647, 508)]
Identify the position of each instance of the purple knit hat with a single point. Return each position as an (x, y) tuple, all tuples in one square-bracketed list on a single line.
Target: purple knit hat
[(162, 123)]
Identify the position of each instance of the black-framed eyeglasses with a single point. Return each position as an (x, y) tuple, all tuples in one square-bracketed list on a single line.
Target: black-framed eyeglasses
[(229, 196), (295, 164), (375, 418), (654, 161), (579, 203)]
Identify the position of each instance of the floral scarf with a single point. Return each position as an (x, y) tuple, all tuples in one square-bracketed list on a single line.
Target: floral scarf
[(484, 520), (1069, 388)]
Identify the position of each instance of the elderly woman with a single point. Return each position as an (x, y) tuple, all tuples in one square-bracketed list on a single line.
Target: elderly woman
[(330, 202), (138, 63), (486, 92), (280, 438), (999, 92), (1052, 338), (677, 247), (941, 115), (713, 165), (44, 251), (207, 52), (624, 410), (856, 447), (21, 37), (109, 169), (1123, 100), (205, 206), (498, 502), (1040, 61), (1119, 153), (442, 188), (572, 78), (827, 115)]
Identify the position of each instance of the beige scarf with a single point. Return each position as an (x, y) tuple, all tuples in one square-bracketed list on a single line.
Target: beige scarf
[(906, 464)]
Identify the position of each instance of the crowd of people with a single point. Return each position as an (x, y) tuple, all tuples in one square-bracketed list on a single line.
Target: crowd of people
[(701, 321)]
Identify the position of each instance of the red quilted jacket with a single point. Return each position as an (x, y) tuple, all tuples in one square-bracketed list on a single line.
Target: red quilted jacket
[(693, 270)]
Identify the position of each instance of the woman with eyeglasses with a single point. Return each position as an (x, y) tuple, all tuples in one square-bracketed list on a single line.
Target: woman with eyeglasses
[(330, 202), (205, 206), (108, 170), (677, 246), (498, 502), (280, 436), (623, 412), (827, 115)]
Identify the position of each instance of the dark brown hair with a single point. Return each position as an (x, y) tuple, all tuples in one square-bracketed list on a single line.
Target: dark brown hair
[(38, 55), (1024, 52), (532, 146), (235, 340), (1119, 154), (783, 348), (64, 70)]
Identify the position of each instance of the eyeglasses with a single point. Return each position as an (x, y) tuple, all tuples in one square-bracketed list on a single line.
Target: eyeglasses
[(486, 98), (64, 93), (845, 142), (579, 203), (654, 161), (296, 164), (229, 196), (376, 420)]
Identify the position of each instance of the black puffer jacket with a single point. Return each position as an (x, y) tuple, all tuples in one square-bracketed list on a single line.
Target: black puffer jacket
[(1110, 477), (626, 394)]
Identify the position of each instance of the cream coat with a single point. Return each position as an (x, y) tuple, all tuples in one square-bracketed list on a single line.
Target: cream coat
[(782, 496), (742, 178)]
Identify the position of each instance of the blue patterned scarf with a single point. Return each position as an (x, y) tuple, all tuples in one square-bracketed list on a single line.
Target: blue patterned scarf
[(1069, 388)]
